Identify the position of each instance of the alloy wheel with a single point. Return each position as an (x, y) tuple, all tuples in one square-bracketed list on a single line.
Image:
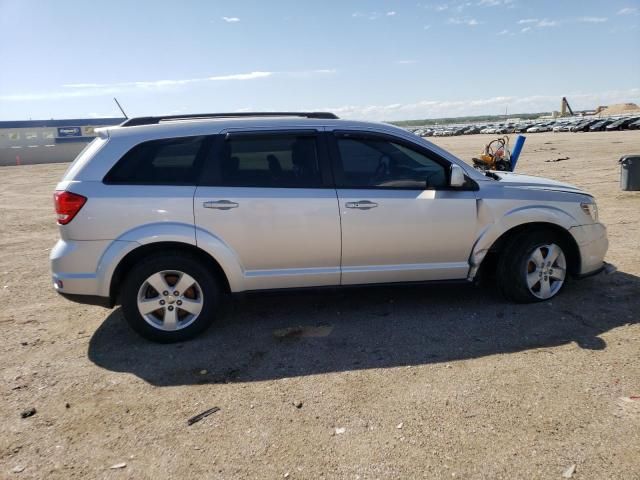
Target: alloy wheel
[(546, 270), (170, 300)]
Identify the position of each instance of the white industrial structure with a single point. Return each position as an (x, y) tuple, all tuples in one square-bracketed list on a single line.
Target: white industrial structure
[(47, 141)]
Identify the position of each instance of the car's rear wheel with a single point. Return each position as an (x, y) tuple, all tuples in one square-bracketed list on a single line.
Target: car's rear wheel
[(533, 267), (169, 298)]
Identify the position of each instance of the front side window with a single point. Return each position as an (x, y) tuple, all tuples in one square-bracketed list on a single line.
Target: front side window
[(159, 162), (377, 162), (285, 161)]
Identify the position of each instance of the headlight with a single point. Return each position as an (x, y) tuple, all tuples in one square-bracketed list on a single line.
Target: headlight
[(590, 209)]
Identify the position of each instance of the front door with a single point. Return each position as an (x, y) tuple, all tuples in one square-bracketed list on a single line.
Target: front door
[(400, 219), (270, 200)]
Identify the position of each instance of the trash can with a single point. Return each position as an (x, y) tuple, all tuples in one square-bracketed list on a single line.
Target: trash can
[(630, 173)]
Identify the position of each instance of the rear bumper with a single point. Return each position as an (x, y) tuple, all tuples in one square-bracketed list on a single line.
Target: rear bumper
[(82, 269), (74, 266), (593, 244)]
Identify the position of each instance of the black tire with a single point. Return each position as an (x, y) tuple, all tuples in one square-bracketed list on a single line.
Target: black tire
[(512, 264), (137, 276)]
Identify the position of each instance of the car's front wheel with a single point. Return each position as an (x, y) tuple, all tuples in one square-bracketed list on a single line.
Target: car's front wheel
[(169, 298), (533, 267)]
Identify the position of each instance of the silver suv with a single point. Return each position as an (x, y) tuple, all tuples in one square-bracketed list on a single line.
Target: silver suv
[(164, 215)]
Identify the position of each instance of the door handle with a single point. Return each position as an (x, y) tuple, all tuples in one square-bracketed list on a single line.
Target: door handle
[(220, 204), (362, 205)]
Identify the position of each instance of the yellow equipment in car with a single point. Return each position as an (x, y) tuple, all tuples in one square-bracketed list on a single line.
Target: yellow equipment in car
[(495, 156)]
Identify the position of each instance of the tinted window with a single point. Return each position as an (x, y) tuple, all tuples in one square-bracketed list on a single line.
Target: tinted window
[(381, 163), (159, 162), (270, 161)]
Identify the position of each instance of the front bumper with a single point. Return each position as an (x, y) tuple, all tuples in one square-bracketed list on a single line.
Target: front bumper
[(593, 244), (88, 299)]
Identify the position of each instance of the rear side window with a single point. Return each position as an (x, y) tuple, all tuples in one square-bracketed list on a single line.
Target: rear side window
[(286, 161), (159, 162)]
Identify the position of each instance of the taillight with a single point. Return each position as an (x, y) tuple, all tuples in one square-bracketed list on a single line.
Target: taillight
[(67, 205)]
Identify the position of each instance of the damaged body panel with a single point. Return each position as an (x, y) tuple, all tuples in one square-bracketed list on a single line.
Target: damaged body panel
[(514, 201)]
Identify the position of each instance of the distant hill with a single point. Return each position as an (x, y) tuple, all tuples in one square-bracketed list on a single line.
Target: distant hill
[(619, 109)]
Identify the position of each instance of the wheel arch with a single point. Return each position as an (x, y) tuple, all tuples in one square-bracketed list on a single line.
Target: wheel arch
[(490, 254), (136, 255)]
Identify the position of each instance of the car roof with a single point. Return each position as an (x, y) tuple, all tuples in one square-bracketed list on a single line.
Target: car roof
[(209, 126)]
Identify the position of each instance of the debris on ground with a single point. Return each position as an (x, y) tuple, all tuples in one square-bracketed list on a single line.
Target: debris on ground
[(302, 331), (568, 473), (400, 425), (202, 415), (559, 159), (118, 465), (29, 412), (630, 398), (297, 403), (340, 430), (18, 469)]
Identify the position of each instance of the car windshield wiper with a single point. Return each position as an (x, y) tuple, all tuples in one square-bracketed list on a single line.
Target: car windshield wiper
[(492, 175)]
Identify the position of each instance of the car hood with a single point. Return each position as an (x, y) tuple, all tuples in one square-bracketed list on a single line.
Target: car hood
[(509, 179)]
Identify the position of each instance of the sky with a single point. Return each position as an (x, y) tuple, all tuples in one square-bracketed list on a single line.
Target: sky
[(371, 60)]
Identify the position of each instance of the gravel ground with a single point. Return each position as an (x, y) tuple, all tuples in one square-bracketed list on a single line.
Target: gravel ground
[(402, 382)]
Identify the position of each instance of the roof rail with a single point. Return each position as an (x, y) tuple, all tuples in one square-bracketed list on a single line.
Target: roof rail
[(132, 122)]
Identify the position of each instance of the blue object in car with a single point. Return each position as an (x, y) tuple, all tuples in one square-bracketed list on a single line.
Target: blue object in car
[(517, 148)]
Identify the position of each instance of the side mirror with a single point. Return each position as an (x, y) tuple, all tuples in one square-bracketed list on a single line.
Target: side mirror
[(457, 176)]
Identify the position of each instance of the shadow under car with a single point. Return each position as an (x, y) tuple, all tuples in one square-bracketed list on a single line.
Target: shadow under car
[(286, 334)]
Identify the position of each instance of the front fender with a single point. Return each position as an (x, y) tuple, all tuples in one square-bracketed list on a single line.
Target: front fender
[(496, 227)]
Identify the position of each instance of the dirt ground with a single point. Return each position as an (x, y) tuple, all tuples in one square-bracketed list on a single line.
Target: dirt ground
[(411, 382)]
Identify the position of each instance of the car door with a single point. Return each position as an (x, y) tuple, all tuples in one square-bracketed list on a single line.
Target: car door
[(400, 219), (269, 197)]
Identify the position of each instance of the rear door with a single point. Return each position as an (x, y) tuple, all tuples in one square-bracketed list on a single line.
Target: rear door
[(269, 197), (400, 219)]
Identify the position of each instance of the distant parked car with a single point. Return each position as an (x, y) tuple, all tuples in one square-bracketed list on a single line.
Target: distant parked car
[(584, 126), (635, 125), (505, 129), (471, 130), (600, 126), (522, 128), (620, 124)]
